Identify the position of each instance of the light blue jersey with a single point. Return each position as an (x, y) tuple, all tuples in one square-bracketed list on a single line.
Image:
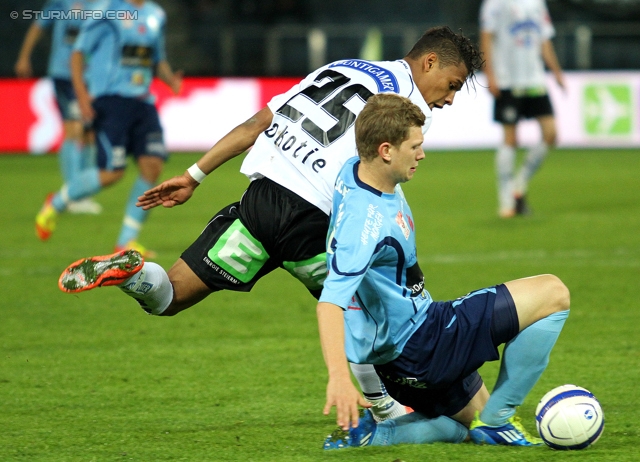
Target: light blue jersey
[(66, 28), (371, 252), (123, 53)]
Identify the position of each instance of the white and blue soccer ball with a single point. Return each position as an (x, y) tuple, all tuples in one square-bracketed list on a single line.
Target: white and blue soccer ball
[(569, 417)]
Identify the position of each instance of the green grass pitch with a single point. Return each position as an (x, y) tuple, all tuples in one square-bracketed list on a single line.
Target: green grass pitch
[(240, 377)]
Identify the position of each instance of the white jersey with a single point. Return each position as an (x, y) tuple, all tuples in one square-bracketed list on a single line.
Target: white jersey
[(519, 28), (312, 133)]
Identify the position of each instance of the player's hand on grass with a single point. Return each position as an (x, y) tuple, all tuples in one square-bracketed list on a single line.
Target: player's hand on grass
[(342, 394), (174, 191)]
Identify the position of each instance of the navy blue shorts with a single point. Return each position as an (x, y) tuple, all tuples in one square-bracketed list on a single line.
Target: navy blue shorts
[(126, 126), (436, 374), (508, 108), (66, 99)]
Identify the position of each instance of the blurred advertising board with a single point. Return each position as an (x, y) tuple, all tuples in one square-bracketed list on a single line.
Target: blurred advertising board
[(596, 109)]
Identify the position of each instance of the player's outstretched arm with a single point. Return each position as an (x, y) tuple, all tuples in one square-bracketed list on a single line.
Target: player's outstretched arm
[(178, 190), (341, 392)]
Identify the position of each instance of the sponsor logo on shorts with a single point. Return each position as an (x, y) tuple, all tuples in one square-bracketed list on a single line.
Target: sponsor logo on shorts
[(510, 115), (119, 156), (311, 272), (220, 271), (237, 254), (407, 381)]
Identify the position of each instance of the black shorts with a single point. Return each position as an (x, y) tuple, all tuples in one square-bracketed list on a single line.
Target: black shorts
[(436, 373), (509, 108), (271, 227)]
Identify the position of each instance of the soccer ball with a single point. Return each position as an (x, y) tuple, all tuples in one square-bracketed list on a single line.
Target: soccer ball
[(569, 417)]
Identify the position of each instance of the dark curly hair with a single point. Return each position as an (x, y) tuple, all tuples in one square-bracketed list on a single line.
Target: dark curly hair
[(450, 47)]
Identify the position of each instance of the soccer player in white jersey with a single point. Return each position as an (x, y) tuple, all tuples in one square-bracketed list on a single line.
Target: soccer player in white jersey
[(515, 39), (375, 309), (300, 141)]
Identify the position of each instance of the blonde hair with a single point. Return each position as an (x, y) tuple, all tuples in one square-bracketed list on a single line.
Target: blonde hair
[(387, 117)]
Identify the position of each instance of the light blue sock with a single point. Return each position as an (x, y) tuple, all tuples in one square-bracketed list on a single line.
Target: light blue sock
[(85, 184), (523, 361), (134, 216), (70, 160), (416, 428)]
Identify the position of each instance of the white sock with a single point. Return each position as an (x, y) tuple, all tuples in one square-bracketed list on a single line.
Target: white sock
[(505, 161), (150, 287), (370, 384), (531, 165), (384, 406)]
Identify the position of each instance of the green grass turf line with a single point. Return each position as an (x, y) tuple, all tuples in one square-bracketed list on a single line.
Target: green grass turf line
[(240, 377)]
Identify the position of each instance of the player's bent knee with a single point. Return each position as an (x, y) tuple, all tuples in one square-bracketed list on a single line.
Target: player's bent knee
[(559, 295)]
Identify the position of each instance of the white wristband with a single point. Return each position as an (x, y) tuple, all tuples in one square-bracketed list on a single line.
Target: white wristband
[(196, 173)]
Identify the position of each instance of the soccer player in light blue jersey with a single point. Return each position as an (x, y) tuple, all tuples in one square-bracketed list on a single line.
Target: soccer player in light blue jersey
[(374, 309), (125, 50), (77, 151)]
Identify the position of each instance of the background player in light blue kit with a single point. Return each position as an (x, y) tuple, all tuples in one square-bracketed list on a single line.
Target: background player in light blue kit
[(374, 309), (124, 54), (77, 151)]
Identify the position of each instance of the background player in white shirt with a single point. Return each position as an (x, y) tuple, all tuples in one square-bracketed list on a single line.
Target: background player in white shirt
[(515, 38), (300, 141)]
